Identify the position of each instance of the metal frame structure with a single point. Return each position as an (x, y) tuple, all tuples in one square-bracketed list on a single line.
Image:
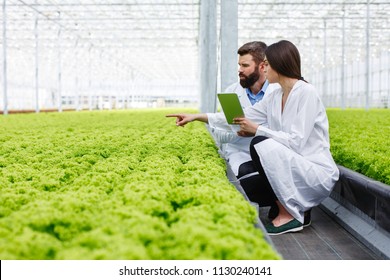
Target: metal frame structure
[(87, 54)]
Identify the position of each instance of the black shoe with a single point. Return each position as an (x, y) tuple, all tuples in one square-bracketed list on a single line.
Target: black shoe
[(273, 212), (307, 218)]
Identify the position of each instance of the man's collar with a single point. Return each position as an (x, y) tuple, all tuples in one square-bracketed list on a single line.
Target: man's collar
[(262, 90)]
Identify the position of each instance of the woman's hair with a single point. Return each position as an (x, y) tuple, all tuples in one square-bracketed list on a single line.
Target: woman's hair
[(284, 58), (256, 49)]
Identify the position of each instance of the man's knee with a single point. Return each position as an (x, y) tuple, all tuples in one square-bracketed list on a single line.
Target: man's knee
[(246, 168), (258, 190)]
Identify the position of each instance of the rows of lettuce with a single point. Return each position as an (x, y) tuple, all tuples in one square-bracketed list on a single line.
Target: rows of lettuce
[(360, 141), (119, 185)]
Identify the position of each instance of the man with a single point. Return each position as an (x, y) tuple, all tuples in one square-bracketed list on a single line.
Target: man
[(251, 88)]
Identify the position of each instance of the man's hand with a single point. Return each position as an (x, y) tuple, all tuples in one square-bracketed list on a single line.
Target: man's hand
[(182, 119), (247, 127)]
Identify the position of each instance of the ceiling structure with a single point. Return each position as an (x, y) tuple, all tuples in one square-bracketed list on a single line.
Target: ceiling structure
[(319, 28), (156, 41)]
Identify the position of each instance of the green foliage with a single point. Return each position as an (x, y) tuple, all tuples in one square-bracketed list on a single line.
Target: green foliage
[(360, 141), (119, 185)]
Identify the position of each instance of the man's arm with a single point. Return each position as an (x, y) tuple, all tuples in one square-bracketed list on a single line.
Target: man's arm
[(182, 118)]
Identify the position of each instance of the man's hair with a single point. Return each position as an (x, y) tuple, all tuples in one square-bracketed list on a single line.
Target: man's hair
[(256, 49)]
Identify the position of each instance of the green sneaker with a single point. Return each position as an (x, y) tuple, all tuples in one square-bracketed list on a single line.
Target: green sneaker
[(292, 226), (274, 212)]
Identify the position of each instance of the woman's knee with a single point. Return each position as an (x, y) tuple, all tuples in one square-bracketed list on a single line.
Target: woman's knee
[(255, 157), (252, 150), (258, 139)]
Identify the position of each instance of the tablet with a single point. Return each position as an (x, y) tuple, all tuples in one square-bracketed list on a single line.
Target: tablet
[(231, 106)]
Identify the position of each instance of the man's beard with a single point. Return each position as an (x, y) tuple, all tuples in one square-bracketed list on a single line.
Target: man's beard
[(250, 80)]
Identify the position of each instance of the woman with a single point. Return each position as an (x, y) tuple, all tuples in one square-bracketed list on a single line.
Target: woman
[(291, 148)]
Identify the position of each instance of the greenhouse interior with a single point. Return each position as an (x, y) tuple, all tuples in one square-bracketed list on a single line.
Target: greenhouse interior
[(86, 85)]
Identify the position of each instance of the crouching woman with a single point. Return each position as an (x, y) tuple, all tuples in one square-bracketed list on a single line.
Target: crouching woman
[(291, 148)]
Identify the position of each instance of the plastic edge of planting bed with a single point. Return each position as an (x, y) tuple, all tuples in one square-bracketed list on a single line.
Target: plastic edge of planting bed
[(362, 206)]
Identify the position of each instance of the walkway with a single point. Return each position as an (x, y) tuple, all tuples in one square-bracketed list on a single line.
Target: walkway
[(325, 239)]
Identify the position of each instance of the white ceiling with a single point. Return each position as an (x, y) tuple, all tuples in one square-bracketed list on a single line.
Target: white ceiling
[(157, 40)]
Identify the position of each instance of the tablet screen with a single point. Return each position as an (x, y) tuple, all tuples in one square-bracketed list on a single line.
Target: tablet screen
[(231, 106)]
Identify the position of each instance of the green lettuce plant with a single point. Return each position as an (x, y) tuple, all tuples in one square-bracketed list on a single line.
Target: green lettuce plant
[(119, 185)]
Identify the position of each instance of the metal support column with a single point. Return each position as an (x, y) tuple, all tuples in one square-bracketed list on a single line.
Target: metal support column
[(5, 97), (78, 105), (59, 88), (36, 63), (343, 63), (90, 78), (368, 56), (208, 55), (324, 68), (229, 42)]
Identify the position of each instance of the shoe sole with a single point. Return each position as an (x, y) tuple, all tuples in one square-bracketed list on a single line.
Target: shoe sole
[(306, 225), (289, 230)]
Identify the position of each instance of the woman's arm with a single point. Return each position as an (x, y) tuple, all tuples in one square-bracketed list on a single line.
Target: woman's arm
[(302, 117)]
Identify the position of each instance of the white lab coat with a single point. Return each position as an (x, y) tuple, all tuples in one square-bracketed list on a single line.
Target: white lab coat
[(296, 158), (234, 149)]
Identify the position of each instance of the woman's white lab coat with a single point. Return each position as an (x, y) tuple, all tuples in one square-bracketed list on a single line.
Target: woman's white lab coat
[(296, 158)]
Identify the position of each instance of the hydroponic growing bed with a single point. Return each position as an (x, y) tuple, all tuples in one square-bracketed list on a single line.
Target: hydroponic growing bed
[(119, 185), (360, 141)]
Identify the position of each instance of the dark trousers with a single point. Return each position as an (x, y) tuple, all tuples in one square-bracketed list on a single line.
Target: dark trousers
[(257, 186)]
